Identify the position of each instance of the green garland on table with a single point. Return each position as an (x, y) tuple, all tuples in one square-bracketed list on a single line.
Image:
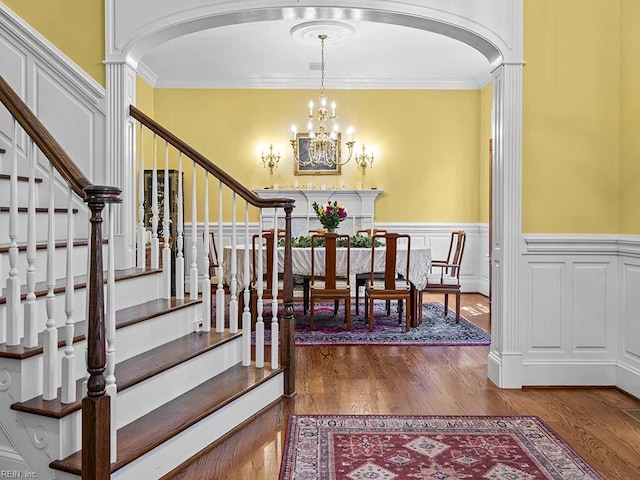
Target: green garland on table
[(357, 241)]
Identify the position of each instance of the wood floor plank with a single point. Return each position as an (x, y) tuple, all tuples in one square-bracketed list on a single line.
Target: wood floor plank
[(416, 380)]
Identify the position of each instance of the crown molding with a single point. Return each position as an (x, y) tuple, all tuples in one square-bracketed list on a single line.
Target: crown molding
[(333, 84), (147, 74)]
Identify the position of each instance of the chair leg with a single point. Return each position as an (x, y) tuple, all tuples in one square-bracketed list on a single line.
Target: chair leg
[(336, 306), (408, 317), (347, 312), (388, 307), (311, 324), (357, 298), (370, 313), (400, 309), (446, 304), (457, 307), (305, 294)]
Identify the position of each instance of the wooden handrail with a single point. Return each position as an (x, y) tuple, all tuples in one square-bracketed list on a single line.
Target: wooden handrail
[(96, 405), (205, 163), (43, 139)]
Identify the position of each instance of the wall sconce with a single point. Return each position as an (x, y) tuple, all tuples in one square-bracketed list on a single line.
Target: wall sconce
[(270, 160), (364, 160)]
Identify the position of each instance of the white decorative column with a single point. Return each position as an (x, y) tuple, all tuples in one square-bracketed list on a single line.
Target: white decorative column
[(120, 146), (505, 357)]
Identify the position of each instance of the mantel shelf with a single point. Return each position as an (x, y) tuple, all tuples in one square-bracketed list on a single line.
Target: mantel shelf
[(359, 205)]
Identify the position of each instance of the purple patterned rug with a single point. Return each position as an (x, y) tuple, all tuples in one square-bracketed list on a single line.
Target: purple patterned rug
[(435, 329), (359, 447)]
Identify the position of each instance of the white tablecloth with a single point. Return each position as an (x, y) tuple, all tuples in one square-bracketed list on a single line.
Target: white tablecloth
[(420, 262)]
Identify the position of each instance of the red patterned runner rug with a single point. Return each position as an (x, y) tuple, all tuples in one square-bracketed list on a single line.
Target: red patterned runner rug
[(387, 447)]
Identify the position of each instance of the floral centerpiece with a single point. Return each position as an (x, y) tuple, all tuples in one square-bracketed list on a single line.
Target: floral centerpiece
[(330, 215)]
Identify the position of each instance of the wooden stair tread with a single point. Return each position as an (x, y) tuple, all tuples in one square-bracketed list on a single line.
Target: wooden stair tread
[(22, 246), (135, 370), (40, 210), (80, 281), (21, 178), (124, 317), (146, 433)]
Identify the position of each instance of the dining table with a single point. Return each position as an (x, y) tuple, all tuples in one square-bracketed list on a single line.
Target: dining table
[(360, 262)]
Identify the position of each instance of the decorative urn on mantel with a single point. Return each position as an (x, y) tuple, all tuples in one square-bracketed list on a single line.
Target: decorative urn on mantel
[(359, 203)]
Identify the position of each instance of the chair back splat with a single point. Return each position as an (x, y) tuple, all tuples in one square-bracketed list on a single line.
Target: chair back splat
[(445, 274), (331, 280), (393, 286)]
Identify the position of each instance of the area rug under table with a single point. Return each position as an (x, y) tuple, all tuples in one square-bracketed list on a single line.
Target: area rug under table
[(341, 447), (435, 329)]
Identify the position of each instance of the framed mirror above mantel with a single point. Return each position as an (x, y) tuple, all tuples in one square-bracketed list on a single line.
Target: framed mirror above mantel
[(360, 205)]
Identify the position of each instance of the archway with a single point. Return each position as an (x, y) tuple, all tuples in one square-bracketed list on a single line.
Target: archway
[(127, 45)]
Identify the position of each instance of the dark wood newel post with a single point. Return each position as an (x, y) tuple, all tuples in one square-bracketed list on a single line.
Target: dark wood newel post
[(96, 411), (288, 352)]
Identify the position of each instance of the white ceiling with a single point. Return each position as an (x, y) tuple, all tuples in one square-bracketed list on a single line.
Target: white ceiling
[(265, 55)]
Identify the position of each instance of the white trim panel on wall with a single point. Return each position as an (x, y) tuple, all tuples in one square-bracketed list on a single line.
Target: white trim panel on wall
[(628, 371), (68, 101), (569, 310)]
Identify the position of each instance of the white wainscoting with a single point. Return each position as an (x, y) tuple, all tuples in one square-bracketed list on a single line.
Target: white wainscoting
[(475, 264), (68, 101), (581, 310), (628, 368)]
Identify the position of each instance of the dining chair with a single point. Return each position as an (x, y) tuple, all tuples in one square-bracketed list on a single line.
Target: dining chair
[(267, 269), (361, 278), (392, 286), (331, 280), (444, 276)]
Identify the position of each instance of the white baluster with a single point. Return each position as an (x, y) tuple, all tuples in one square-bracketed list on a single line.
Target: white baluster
[(246, 312), (259, 301), (193, 273), (233, 284), (206, 281), (220, 306), (166, 250), (141, 232), (13, 313), (179, 236), (274, 295), (50, 346), (155, 242), (69, 359), (31, 327), (110, 377)]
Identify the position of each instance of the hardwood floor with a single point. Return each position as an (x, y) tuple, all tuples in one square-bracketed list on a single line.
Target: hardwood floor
[(412, 380)]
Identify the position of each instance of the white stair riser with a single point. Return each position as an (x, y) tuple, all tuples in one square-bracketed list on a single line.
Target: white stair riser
[(174, 452), (26, 375), (81, 227), (78, 264), (23, 193), (129, 292), (180, 379), (180, 448)]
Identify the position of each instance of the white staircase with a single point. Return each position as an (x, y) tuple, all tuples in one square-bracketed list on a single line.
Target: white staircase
[(178, 384)]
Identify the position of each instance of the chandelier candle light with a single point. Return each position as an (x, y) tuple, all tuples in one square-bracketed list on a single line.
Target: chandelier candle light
[(324, 141)]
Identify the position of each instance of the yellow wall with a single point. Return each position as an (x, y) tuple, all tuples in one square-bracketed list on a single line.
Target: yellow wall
[(486, 102), (76, 27), (426, 142), (571, 116), (630, 119)]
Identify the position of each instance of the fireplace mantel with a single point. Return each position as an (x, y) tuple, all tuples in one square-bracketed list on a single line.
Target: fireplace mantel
[(360, 205)]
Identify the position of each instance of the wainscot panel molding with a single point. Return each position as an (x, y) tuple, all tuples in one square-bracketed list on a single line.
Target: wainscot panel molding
[(581, 310), (475, 264), (50, 83)]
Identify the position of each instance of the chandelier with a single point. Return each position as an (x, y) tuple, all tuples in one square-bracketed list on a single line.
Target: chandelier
[(322, 145)]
